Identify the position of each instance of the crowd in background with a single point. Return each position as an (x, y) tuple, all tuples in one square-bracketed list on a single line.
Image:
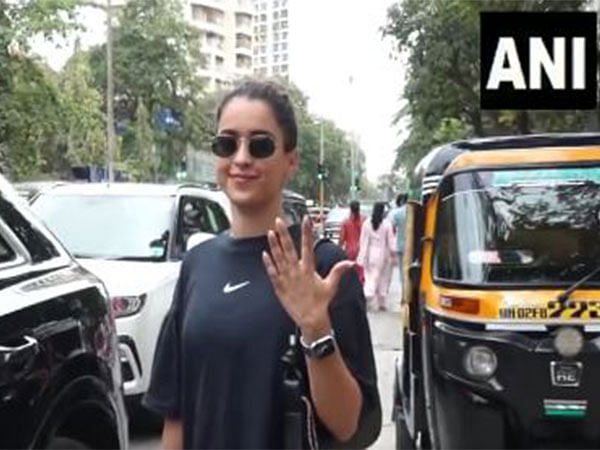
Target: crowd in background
[(376, 243)]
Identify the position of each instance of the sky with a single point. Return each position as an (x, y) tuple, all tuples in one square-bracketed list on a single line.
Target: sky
[(331, 42)]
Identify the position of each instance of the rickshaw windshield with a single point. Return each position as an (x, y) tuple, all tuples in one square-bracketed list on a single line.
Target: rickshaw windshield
[(520, 227)]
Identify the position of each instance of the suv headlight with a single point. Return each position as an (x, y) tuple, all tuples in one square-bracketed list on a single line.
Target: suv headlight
[(127, 305)]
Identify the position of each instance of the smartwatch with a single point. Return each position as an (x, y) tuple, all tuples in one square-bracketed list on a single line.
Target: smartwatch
[(319, 348)]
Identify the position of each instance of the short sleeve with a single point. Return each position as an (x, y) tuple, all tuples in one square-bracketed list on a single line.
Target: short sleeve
[(164, 393), (353, 335)]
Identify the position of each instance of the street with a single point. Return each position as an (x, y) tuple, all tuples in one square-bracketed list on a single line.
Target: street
[(385, 333)]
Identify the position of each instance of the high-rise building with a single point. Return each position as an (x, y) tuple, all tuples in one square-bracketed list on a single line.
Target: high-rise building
[(226, 38), (271, 38)]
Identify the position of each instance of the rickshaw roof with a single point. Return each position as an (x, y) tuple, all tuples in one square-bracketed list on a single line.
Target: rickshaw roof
[(447, 153), (431, 168)]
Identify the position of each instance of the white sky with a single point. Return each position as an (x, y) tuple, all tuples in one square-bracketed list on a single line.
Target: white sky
[(331, 40)]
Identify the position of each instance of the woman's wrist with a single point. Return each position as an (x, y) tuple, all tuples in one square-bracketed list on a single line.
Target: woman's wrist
[(315, 327)]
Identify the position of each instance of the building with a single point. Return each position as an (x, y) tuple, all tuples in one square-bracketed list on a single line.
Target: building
[(226, 38), (271, 50)]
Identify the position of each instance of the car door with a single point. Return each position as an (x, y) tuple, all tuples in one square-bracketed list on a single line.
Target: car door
[(199, 219), (44, 322)]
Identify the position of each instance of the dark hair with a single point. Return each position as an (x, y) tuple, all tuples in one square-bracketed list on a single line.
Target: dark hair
[(401, 199), (274, 96), (354, 207), (377, 216)]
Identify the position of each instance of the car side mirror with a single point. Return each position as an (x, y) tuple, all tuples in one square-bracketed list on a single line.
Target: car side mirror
[(159, 245), (197, 238)]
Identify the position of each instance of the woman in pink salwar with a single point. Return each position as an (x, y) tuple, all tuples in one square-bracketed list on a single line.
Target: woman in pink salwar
[(376, 254)]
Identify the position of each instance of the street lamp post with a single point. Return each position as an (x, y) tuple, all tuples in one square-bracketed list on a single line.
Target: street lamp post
[(110, 121), (321, 183)]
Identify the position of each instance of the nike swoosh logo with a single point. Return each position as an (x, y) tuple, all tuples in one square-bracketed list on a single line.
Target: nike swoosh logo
[(228, 289)]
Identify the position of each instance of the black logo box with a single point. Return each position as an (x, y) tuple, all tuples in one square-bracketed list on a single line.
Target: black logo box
[(547, 25)]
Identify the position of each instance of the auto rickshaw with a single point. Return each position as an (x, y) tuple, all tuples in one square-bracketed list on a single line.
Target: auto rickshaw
[(501, 299)]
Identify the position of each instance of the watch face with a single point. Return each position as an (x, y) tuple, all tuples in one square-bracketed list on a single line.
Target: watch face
[(324, 348)]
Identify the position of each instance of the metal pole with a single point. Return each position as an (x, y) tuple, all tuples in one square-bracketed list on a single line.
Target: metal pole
[(109, 92), (322, 184), (352, 169), (352, 162)]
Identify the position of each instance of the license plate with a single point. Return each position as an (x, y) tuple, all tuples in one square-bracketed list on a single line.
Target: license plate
[(566, 374)]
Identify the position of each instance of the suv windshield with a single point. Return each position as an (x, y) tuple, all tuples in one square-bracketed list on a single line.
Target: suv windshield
[(528, 226), (108, 226)]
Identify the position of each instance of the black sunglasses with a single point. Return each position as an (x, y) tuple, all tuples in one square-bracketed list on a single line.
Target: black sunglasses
[(260, 147)]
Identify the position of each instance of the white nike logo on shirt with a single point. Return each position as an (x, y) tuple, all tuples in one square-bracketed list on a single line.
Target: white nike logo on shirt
[(227, 289)]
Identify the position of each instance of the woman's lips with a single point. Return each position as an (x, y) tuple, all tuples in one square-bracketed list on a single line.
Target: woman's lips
[(242, 178)]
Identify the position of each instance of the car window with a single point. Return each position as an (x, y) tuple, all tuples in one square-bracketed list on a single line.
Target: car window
[(337, 215), (39, 246), (6, 253), (128, 227), (220, 219), (195, 215)]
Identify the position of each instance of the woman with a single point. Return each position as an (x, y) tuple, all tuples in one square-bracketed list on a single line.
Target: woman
[(376, 255), (217, 372)]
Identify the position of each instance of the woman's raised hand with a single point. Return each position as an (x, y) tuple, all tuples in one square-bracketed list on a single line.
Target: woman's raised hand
[(300, 289)]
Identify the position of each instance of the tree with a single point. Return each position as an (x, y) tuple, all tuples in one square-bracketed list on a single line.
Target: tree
[(84, 123), (440, 39), (31, 107), (156, 56)]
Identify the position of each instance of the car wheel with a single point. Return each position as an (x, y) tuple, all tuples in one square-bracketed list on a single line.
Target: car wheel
[(66, 443), (403, 439)]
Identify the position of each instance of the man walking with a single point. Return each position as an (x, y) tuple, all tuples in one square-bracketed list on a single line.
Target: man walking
[(398, 217)]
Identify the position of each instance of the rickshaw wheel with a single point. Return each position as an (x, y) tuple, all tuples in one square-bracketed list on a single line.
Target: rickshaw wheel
[(403, 439)]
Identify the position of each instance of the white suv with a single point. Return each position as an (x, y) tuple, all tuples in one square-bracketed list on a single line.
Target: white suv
[(133, 237)]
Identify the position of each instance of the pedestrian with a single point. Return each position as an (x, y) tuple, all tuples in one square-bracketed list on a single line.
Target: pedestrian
[(242, 296), (376, 252), (350, 235), (398, 217)]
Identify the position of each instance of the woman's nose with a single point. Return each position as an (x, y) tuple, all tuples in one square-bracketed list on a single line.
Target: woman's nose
[(242, 154)]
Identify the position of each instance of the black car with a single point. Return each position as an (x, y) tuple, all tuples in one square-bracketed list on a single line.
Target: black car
[(60, 379)]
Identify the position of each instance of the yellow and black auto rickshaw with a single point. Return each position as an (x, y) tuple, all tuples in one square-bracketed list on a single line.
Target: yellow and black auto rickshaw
[(501, 298)]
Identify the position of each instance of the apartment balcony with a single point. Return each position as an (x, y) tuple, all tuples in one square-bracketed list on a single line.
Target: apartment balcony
[(243, 24), (211, 4), (245, 6), (209, 27)]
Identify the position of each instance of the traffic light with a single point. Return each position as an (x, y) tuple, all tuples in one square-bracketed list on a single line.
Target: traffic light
[(322, 172), (357, 182)]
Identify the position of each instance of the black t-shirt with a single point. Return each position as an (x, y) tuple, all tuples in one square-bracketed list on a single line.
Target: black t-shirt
[(218, 364)]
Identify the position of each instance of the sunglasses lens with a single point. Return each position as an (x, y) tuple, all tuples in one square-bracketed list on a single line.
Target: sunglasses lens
[(261, 147), (224, 146)]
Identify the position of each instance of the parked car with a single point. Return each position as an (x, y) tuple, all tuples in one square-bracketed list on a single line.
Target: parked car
[(315, 214), (294, 206), (60, 378), (134, 237)]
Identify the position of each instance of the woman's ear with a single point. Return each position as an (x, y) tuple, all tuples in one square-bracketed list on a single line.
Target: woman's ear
[(294, 159)]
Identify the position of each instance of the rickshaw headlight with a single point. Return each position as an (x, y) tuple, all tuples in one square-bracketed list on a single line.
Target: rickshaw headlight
[(480, 362), (568, 342)]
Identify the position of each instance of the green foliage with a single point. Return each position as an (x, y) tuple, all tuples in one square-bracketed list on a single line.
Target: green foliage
[(84, 123), (156, 54), (440, 39), (31, 106), (30, 118)]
